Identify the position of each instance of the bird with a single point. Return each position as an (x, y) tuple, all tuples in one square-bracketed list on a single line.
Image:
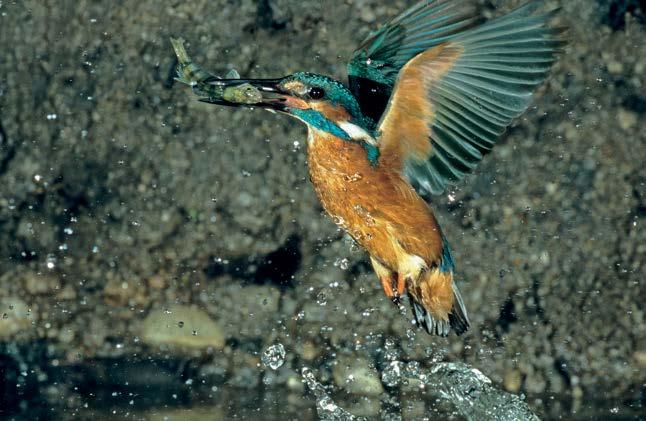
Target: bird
[(428, 95)]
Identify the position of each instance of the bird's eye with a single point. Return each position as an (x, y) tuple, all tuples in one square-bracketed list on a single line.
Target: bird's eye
[(316, 93)]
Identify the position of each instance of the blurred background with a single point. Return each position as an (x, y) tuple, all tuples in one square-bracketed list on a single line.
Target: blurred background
[(161, 257)]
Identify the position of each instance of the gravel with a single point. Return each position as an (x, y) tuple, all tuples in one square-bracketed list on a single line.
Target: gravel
[(120, 195)]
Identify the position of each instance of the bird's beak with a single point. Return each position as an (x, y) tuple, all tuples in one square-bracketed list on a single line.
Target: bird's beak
[(265, 93)]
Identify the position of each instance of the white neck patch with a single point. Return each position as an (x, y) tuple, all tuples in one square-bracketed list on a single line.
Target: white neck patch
[(356, 132)]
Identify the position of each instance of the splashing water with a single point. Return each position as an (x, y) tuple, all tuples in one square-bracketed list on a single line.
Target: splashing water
[(473, 395), (274, 356), (465, 387), (326, 409)]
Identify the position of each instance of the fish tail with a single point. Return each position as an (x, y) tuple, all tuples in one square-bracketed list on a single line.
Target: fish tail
[(188, 72)]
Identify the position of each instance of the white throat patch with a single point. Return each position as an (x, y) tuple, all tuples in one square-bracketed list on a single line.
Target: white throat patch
[(356, 132)]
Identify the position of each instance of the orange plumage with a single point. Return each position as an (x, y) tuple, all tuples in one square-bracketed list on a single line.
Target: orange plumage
[(384, 214)]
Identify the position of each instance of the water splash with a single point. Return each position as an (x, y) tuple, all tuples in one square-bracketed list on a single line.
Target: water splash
[(467, 388), (326, 409), (473, 395)]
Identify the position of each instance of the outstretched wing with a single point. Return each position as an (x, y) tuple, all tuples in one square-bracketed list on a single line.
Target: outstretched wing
[(375, 64), (451, 102)]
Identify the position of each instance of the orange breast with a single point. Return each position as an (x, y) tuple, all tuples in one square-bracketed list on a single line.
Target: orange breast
[(374, 204)]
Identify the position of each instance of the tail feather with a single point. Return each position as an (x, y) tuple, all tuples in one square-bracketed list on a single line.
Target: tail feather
[(457, 317)]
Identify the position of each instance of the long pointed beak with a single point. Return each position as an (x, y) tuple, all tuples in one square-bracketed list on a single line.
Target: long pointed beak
[(265, 93)]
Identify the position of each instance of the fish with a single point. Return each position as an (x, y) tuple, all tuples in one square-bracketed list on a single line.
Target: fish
[(242, 94), (208, 86)]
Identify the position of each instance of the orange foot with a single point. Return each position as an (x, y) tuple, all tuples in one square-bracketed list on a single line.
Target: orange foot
[(401, 285), (387, 285), (387, 278)]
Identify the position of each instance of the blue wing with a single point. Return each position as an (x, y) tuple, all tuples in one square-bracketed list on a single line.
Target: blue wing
[(373, 69), (452, 102)]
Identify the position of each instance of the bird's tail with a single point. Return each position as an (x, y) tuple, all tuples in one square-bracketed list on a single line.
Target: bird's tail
[(437, 304)]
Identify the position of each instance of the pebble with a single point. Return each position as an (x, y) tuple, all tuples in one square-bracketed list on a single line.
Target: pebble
[(357, 377), (626, 119), (157, 282), (513, 381), (14, 317), (640, 357), (40, 283), (183, 327)]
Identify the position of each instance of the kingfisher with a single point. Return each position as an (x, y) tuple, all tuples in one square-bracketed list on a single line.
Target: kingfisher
[(428, 95)]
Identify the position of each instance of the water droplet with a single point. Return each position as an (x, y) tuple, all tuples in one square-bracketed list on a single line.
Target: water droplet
[(352, 178), (392, 374), (50, 262), (321, 298), (274, 356), (342, 263), (412, 369)]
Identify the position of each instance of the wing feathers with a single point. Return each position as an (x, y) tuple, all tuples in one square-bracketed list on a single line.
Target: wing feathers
[(375, 64), (465, 91)]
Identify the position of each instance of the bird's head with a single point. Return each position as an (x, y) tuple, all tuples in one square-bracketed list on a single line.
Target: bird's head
[(320, 102)]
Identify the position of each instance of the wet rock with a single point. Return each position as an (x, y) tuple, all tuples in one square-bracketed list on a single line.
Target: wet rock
[(117, 292), (513, 381), (216, 371), (295, 384), (246, 311), (181, 327), (94, 336), (66, 293), (307, 350), (15, 318), (245, 378), (357, 377), (37, 283), (157, 282), (626, 118), (364, 406), (192, 414), (413, 410), (640, 357)]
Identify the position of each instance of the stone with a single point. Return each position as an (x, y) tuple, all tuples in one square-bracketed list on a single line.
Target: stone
[(37, 283), (157, 282), (183, 327), (513, 381), (626, 119), (357, 377), (14, 317), (640, 357)]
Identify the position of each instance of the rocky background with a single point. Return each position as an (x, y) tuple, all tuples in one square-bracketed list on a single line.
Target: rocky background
[(152, 247)]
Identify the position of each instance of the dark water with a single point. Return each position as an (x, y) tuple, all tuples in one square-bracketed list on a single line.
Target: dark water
[(162, 258)]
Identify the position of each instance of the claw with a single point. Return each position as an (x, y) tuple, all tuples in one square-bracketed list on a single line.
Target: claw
[(396, 298)]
